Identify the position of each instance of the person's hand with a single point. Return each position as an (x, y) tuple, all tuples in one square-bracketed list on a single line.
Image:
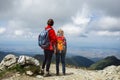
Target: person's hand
[(55, 51)]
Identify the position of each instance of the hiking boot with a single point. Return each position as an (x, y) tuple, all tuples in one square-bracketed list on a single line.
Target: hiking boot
[(42, 72), (47, 74)]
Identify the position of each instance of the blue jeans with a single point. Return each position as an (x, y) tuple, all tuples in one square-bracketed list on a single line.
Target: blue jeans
[(60, 56), (47, 59)]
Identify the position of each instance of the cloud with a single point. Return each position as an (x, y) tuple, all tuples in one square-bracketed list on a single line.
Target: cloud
[(5, 5), (107, 7), (72, 30), (109, 23), (2, 30), (18, 32), (86, 23), (82, 17), (24, 19), (105, 26), (81, 20), (79, 23), (107, 33)]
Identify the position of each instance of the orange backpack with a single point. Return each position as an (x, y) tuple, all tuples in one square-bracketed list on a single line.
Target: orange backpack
[(60, 43)]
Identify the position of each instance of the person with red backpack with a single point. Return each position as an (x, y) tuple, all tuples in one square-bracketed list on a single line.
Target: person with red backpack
[(47, 41), (61, 51)]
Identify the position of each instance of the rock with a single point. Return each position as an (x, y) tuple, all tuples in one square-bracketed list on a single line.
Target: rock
[(30, 64), (39, 76), (110, 70), (17, 74), (30, 73), (28, 60), (111, 73), (2, 67), (118, 70), (8, 61), (75, 74)]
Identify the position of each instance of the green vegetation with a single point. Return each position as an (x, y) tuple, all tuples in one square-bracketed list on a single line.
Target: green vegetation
[(9, 71), (111, 60), (20, 69), (2, 73), (77, 61)]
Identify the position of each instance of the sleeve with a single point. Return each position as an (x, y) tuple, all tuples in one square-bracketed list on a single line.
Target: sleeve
[(52, 37), (65, 45)]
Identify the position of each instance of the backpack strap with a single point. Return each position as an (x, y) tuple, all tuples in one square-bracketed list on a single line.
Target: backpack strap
[(48, 29)]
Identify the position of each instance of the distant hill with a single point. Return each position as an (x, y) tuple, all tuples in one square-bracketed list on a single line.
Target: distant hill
[(95, 59), (77, 61), (111, 60)]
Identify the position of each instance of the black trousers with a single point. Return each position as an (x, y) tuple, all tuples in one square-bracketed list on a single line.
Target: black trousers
[(47, 59)]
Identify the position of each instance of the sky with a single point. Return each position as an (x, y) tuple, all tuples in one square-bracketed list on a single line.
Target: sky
[(86, 23)]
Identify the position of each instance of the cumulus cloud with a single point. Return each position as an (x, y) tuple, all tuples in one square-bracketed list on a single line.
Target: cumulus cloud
[(32, 15), (72, 30), (108, 7), (107, 33), (18, 32), (105, 26), (106, 23), (96, 20), (109, 23), (82, 17), (79, 23), (77, 18), (2, 30)]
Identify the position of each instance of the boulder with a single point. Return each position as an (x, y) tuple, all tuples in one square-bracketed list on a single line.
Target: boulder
[(30, 64), (8, 61), (28, 60), (24, 63), (2, 67)]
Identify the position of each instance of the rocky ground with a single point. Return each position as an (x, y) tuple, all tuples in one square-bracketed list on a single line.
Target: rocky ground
[(109, 73)]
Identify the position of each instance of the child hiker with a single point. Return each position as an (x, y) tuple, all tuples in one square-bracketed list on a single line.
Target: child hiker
[(61, 51)]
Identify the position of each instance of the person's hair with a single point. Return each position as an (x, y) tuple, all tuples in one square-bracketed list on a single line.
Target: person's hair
[(60, 31), (50, 22)]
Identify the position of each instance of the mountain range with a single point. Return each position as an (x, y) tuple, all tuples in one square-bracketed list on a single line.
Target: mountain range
[(108, 61), (77, 61)]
